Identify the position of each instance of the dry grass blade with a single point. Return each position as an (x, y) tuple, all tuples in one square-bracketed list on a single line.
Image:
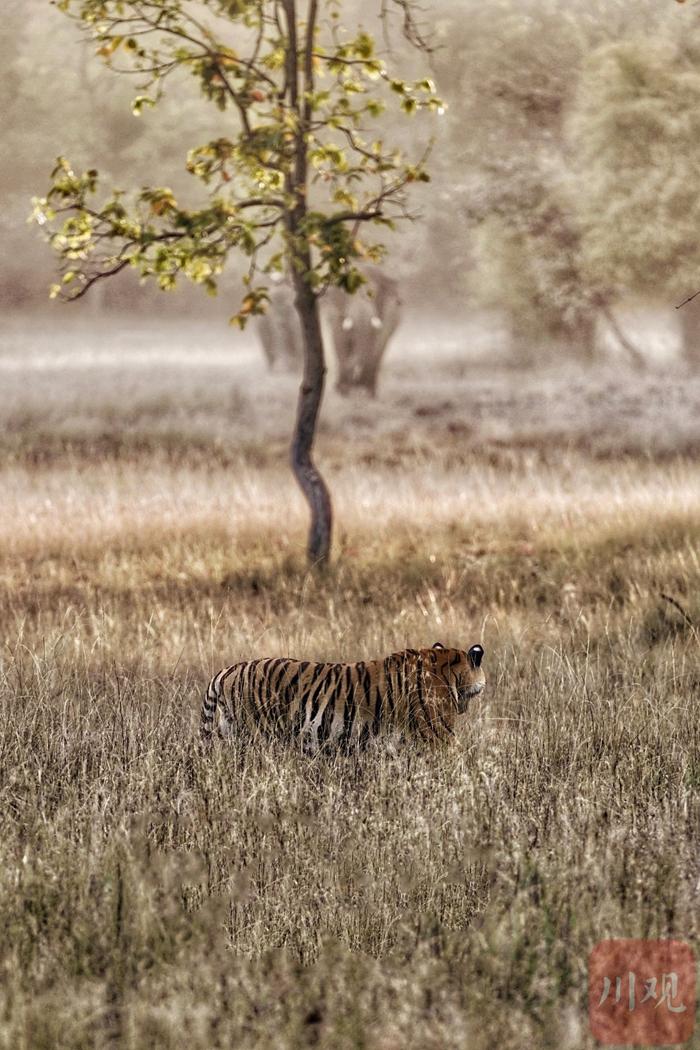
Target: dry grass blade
[(152, 894)]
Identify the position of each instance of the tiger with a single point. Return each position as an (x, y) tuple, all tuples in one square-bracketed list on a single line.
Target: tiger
[(414, 692)]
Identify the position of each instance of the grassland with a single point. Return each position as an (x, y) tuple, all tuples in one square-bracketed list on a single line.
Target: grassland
[(149, 533)]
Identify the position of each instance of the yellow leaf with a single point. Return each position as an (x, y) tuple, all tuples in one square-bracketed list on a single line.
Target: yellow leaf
[(110, 47)]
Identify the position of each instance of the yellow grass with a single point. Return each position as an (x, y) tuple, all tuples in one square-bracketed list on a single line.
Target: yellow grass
[(153, 897)]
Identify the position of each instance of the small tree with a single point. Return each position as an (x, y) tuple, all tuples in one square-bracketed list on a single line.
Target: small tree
[(291, 189), (278, 330)]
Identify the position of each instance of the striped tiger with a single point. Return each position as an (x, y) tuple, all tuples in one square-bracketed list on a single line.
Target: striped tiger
[(419, 692)]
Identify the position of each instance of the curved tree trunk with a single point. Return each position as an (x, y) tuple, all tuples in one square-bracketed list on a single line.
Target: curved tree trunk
[(635, 355), (362, 328), (279, 332), (583, 339), (310, 394), (311, 391), (690, 331)]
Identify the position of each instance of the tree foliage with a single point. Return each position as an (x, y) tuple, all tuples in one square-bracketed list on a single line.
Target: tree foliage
[(298, 175), (636, 129), (527, 68)]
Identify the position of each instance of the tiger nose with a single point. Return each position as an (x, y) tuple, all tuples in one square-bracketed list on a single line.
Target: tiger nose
[(475, 656)]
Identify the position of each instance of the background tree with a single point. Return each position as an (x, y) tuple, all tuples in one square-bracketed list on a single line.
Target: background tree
[(361, 327), (291, 190), (278, 328), (636, 127), (515, 196)]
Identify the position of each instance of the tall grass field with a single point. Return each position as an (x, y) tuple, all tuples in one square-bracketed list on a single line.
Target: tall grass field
[(153, 896)]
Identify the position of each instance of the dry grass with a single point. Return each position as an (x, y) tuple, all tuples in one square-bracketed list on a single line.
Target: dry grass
[(195, 390), (154, 898)]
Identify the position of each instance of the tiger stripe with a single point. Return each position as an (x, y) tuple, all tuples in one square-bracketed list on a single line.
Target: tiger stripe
[(418, 693)]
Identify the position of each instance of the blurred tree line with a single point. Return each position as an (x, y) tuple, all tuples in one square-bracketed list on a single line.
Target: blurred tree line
[(565, 172), (571, 152)]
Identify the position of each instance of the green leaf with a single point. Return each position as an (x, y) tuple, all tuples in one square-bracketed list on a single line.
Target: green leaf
[(140, 103)]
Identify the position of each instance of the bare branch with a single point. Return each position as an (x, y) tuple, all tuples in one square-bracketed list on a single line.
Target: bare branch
[(685, 301), (94, 278), (411, 28)]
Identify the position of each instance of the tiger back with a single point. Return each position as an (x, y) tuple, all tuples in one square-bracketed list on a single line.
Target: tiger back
[(414, 692)]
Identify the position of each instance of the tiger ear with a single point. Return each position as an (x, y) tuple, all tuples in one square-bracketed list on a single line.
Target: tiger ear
[(475, 656), (438, 645)]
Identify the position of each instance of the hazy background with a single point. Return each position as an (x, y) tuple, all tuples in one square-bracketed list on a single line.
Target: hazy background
[(564, 173)]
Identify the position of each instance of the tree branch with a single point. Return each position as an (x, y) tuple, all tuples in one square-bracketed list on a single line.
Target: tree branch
[(94, 278)]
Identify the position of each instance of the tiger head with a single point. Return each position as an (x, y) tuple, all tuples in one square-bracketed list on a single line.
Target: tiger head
[(461, 670)]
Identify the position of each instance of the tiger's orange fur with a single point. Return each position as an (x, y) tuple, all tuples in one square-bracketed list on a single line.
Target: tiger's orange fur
[(418, 692)]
